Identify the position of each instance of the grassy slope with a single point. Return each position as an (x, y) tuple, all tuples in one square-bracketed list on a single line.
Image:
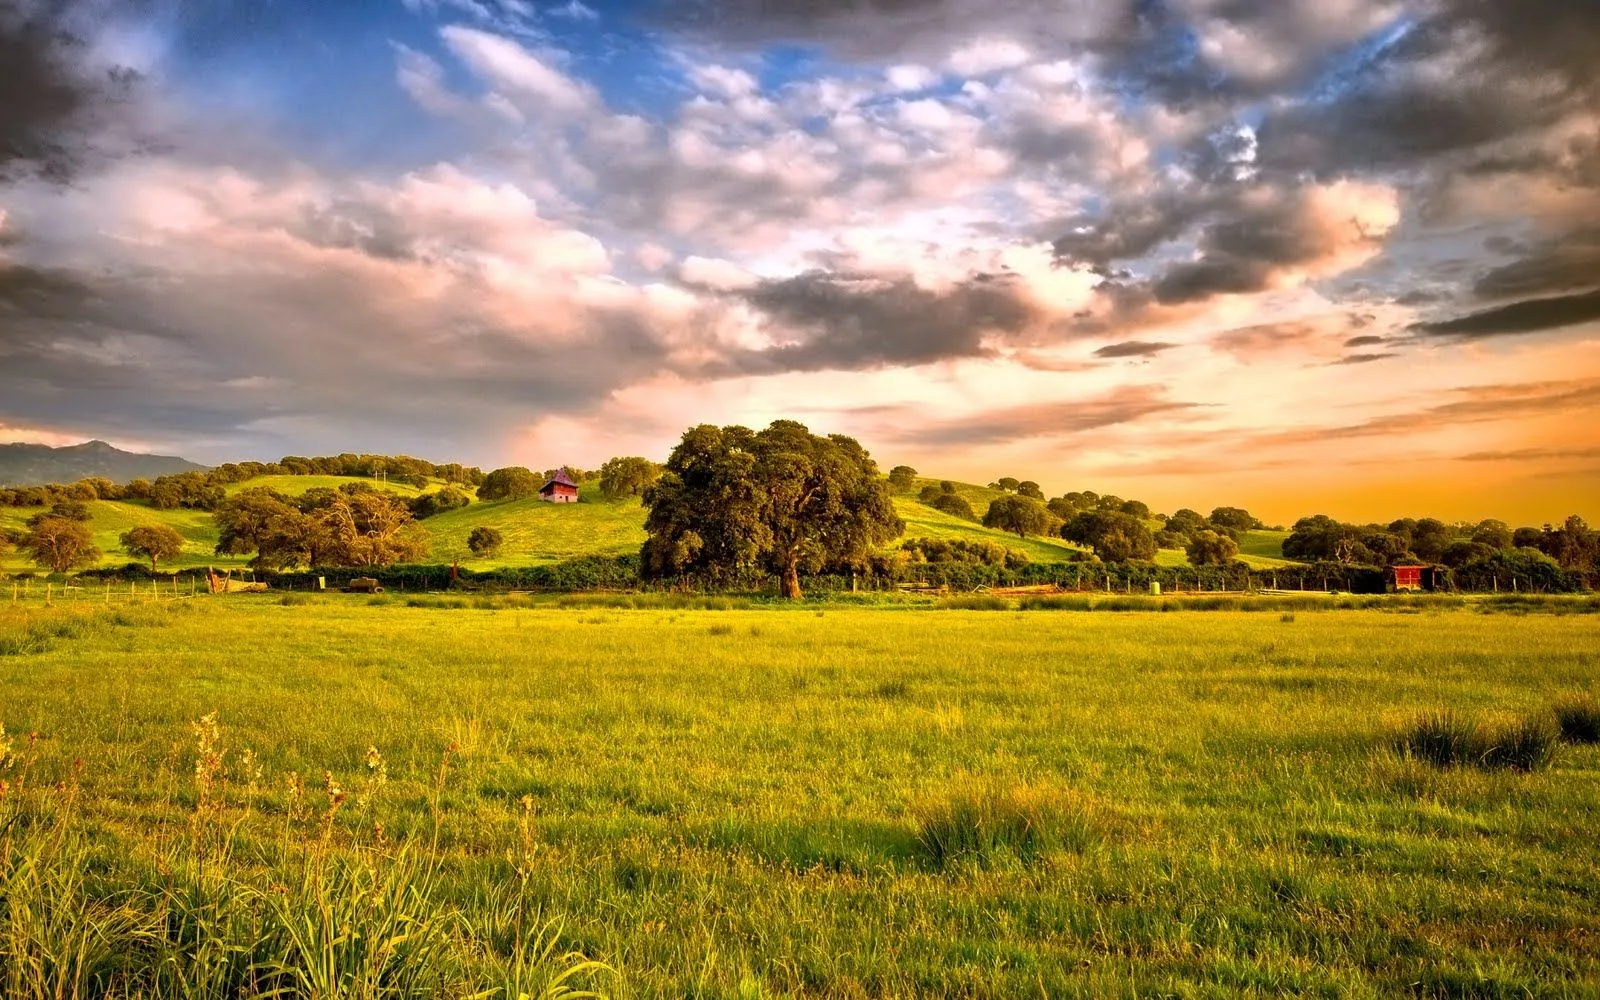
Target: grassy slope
[(296, 485), (111, 518), (537, 532), (729, 804)]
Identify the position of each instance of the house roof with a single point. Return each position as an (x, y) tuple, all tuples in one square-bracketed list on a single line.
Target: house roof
[(559, 479)]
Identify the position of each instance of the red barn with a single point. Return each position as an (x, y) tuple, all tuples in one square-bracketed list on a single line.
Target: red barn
[(1408, 578), (560, 489)]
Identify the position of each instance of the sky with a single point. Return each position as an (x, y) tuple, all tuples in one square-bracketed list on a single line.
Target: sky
[(1304, 256)]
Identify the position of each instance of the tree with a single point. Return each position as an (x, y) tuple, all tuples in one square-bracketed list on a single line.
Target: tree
[(66, 510), (1136, 508), (933, 491), (1460, 553), (438, 502), (955, 505), (1005, 483), (1236, 518), (627, 477), (485, 542), (263, 521), (1209, 548), (511, 483), (61, 544), (153, 542), (1493, 533), (1113, 535), (731, 499), (1020, 514), (1029, 488), (371, 529), (902, 478), (1430, 538)]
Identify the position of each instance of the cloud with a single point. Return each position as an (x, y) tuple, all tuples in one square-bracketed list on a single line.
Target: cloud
[(1366, 340), (1533, 455), (1275, 238), (1568, 262), (1133, 349), (1518, 318), (853, 320), (58, 98), (529, 80), (1039, 420), (1364, 359)]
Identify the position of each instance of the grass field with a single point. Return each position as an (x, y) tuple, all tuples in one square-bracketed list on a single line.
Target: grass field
[(826, 802), (111, 518)]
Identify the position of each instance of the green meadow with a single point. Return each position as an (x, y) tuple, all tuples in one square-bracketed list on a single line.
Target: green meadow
[(454, 797)]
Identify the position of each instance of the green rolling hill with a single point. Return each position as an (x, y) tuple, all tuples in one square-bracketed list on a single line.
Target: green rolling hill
[(538, 533)]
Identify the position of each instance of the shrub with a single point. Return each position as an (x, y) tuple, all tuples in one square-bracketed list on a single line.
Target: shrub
[(975, 602), (484, 541), (953, 504), (1578, 716)]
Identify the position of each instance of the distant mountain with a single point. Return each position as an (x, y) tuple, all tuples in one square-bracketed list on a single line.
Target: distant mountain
[(36, 464)]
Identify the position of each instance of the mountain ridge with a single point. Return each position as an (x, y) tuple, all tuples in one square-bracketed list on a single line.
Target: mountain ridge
[(38, 464)]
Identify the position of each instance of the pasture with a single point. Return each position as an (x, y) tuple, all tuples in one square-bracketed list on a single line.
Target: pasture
[(823, 800)]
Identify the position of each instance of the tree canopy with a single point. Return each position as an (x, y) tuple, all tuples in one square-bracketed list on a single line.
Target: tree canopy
[(510, 483), (485, 542), (154, 542), (1113, 535), (1020, 514), (627, 476), (61, 544), (783, 499), (344, 527), (902, 478), (1209, 548)]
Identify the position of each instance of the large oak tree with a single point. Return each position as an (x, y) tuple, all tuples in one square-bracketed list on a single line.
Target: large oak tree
[(732, 499)]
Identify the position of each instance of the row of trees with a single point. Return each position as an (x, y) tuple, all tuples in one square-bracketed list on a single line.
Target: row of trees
[(1573, 545)]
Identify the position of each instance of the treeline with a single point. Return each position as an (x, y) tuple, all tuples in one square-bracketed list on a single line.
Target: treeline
[(205, 490), (1571, 546)]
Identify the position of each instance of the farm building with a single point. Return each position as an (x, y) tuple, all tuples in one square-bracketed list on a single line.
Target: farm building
[(560, 489), (1416, 578)]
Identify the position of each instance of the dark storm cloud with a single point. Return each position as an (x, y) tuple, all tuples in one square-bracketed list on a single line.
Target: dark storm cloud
[(1041, 420), (1133, 349), (827, 320), (51, 104), (1536, 65), (1530, 316), (1561, 265)]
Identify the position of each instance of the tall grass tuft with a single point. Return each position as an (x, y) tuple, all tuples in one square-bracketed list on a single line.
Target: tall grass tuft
[(1022, 823), (1578, 715), (1443, 738), (1447, 739)]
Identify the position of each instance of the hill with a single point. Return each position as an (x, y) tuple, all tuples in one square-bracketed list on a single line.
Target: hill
[(37, 464), (538, 533)]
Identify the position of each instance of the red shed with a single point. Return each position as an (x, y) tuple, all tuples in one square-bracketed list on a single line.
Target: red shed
[(1408, 578), (560, 489)]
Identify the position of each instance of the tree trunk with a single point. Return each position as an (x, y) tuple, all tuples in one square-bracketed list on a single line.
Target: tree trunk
[(791, 578)]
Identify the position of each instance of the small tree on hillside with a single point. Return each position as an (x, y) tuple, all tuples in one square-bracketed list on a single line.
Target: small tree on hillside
[(1209, 548), (902, 478), (511, 483), (1029, 488), (955, 505), (627, 477), (154, 542), (485, 542), (61, 544), (1006, 483), (1020, 514)]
